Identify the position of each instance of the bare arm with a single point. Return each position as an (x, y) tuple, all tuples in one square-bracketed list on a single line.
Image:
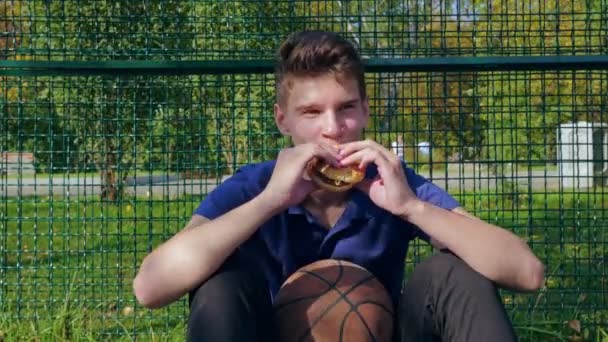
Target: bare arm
[(458, 210), (496, 253), (195, 253)]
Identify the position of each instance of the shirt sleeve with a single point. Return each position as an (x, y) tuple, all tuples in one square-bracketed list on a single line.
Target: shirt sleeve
[(232, 193), (429, 192)]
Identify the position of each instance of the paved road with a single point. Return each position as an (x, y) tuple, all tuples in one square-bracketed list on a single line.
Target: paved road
[(73, 185), (454, 179)]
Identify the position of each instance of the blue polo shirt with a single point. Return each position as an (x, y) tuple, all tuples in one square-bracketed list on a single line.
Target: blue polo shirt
[(365, 234)]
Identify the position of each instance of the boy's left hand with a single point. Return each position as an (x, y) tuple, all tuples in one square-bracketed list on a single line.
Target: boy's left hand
[(389, 190)]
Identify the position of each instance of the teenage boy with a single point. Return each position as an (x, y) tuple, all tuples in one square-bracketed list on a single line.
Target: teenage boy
[(268, 219)]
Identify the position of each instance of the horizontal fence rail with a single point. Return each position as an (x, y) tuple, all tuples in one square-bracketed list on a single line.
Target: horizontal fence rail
[(438, 64)]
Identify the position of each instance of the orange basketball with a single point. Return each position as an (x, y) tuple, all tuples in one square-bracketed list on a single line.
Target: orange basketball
[(333, 301)]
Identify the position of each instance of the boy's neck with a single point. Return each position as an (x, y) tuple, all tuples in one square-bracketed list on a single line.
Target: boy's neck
[(323, 199)]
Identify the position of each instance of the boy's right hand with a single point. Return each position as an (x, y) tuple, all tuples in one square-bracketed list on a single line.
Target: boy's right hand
[(290, 184)]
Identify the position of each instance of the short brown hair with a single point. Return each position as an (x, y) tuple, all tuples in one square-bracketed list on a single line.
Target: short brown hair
[(314, 53)]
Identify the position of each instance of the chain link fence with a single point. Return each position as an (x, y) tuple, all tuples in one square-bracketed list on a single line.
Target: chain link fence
[(118, 117)]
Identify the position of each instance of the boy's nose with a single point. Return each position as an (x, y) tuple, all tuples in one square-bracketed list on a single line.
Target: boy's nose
[(331, 125)]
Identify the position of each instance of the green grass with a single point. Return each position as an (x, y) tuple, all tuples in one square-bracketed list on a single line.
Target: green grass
[(68, 264), (75, 259), (569, 233)]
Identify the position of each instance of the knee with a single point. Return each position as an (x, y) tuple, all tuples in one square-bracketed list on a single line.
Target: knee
[(221, 309), (224, 309), (439, 264), (220, 289), (446, 268), (231, 305), (229, 289)]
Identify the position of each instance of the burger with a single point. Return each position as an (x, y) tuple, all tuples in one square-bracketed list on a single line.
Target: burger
[(334, 179)]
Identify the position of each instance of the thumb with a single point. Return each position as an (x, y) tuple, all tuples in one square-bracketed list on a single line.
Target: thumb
[(366, 184), (308, 185)]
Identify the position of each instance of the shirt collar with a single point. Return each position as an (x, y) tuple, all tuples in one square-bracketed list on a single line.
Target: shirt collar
[(358, 206), (296, 210)]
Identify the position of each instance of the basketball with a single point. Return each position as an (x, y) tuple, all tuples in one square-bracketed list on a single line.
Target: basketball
[(333, 301)]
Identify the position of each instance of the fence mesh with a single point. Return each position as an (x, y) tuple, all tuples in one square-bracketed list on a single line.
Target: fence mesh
[(98, 166)]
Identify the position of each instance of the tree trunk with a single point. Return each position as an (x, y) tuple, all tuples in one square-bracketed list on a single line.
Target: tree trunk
[(109, 187)]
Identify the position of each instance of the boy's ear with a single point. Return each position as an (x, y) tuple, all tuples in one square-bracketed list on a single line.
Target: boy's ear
[(366, 110), (279, 119)]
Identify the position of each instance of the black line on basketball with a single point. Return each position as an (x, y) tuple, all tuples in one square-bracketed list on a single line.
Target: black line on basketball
[(388, 311), (332, 305), (355, 309), (369, 331), (328, 283)]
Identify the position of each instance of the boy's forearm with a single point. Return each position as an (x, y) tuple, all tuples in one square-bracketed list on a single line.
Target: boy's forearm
[(494, 252), (194, 254)]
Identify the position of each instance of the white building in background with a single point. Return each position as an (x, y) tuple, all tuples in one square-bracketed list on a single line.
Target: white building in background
[(582, 154), (424, 147), (398, 147), (17, 163)]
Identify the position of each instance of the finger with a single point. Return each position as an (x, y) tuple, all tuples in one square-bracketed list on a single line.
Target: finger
[(296, 157), (328, 154), (354, 158), (388, 154), (366, 184), (377, 158), (389, 168), (353, 147), (308, 186), (334, 147), (306, 174), (365, 157)]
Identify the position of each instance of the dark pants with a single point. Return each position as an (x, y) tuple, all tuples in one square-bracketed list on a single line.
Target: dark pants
[(443, 299)]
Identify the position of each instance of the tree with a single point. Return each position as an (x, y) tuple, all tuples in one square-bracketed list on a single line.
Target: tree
[(9, 41), (439, 107), (523, 109), (108, 115), (24, 125), (237, 109)]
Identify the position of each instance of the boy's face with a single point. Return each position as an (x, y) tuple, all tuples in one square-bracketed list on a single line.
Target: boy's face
[(321, 109)]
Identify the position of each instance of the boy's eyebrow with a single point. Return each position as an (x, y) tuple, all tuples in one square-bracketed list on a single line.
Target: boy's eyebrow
[(348, 102), (305, 106), (315, 106)]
